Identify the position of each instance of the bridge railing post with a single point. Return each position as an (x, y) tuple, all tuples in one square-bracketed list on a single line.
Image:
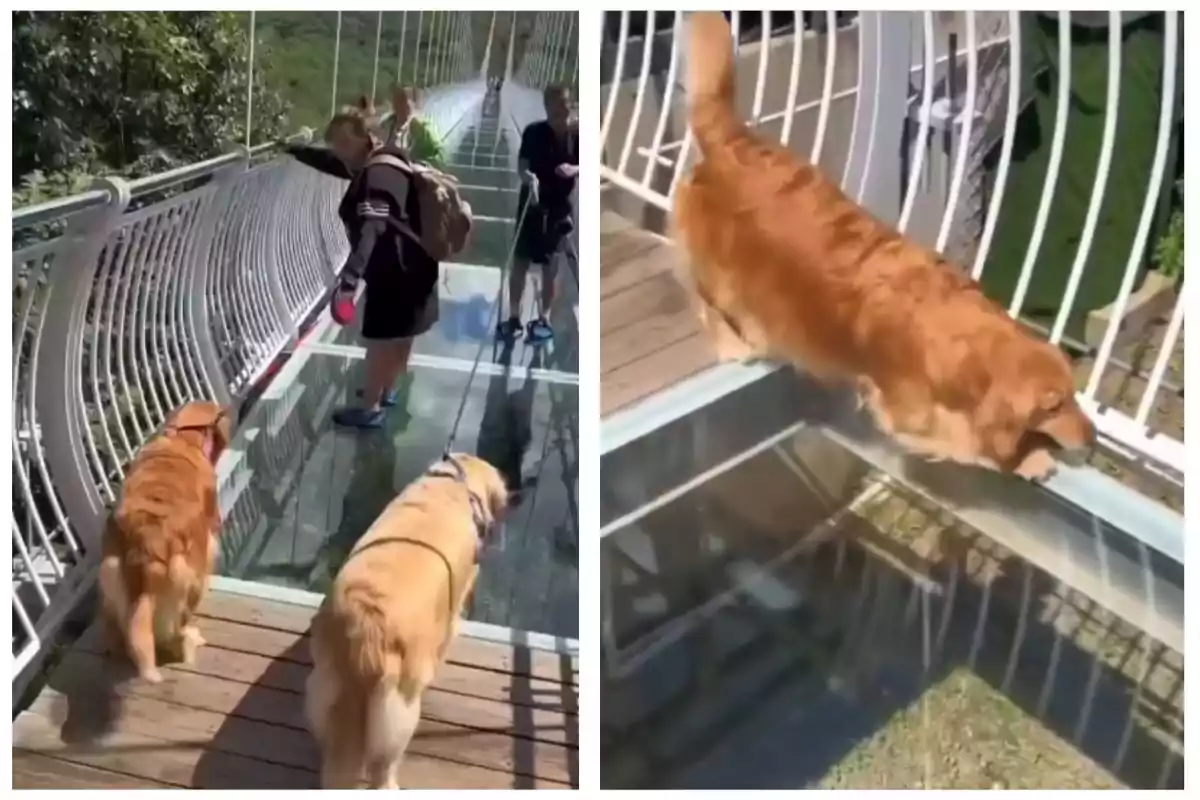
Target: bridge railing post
[(61, 407), (874, 163)]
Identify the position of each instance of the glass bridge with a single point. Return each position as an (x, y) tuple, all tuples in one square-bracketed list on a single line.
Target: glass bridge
[(298, 492)]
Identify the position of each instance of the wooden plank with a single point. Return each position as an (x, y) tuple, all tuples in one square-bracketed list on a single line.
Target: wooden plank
[(236, 683), (189, 710), (640, 379), (650, 335), (165, 751), (291, 658), (498, 716), (36, 771), (658, 295), (154, 758), (644, 338), (629, 256), (288, 746), (470, 652)]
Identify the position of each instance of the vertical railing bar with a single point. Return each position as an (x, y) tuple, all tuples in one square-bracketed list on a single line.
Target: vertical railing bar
[(1006, 147), (1099, 185), (963, 132), (1053, 169), (1157, 171)]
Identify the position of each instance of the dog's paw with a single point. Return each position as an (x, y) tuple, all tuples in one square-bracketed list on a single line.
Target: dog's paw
[(152, 675), (1038, 465), (190, 641)]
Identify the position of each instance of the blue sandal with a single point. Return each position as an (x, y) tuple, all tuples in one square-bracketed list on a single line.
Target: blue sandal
[(539, 330), (361, 418)]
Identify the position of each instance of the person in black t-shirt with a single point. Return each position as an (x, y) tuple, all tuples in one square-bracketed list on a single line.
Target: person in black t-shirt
[(548, 164)]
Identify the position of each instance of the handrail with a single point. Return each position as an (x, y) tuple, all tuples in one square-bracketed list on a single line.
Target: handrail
[(59, 208)]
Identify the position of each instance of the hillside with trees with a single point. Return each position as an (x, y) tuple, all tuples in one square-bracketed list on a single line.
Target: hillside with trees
[(136, 93)]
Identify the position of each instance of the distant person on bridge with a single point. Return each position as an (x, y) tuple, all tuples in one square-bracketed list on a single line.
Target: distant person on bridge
[(401, 299), (411, 132), (548, 163)]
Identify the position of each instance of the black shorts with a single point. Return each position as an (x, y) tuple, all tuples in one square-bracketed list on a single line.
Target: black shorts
[(543, 231), (390, 311)]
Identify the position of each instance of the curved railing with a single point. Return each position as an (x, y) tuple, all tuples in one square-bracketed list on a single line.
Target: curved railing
[(870, 98), (189, 284)]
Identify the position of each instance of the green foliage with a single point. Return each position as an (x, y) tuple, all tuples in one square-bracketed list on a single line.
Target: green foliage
[(302, 44), (1168, 253), (130, 93)]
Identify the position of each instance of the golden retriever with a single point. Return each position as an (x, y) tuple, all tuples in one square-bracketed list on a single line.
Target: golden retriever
[(394, 608), (160, 541), (786, 266)]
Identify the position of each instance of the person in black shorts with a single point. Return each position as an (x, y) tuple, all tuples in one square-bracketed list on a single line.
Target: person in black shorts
[(548, 163), (401, 299)]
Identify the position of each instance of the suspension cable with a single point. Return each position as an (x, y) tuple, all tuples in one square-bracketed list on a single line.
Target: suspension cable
[(400, 58), (375, 63), (337, 54), (250, 82), (428, 48)]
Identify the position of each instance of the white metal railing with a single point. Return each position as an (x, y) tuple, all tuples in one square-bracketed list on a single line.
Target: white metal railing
[(843, 94), (130, 311)]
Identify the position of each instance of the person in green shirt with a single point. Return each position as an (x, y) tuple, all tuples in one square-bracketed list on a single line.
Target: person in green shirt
[(412, 133)]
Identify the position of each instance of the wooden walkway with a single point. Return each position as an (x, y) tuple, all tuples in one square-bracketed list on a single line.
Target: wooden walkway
[(650, 335), (498, 716)]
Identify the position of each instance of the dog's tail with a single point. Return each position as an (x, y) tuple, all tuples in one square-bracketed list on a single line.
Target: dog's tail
[(378, 698), (143, 595), (710, 81)]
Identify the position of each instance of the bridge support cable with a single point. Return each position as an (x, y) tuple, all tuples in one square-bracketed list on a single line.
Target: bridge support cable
[(337, 57)]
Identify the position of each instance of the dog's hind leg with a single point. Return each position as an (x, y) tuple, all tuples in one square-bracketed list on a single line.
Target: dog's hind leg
[(190, 638), (394, 719), (141, 639), (114, 605)]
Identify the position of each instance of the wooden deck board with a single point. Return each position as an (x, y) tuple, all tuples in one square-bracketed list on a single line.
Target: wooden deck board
[(650, 336), (498, 716)]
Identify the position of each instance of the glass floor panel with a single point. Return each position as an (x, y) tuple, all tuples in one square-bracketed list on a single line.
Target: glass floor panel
[(299, 493), (482, 161), (735, 656), (466, 298)]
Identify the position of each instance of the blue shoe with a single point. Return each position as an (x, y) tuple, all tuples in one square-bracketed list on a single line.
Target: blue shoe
[(539, 330), (386, 400), (508, 329), (361, 418)]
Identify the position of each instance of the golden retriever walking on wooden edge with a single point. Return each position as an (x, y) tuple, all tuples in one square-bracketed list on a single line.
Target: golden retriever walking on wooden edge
[(786, 266), (393, 610), (160, 541)]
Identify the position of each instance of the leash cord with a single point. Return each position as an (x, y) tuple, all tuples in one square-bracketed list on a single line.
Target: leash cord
[(493, 318)]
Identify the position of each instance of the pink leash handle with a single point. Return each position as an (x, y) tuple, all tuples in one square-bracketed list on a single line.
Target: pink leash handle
[(341, 307)]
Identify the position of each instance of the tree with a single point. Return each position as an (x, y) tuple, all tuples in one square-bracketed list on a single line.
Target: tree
[(131, 93)]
